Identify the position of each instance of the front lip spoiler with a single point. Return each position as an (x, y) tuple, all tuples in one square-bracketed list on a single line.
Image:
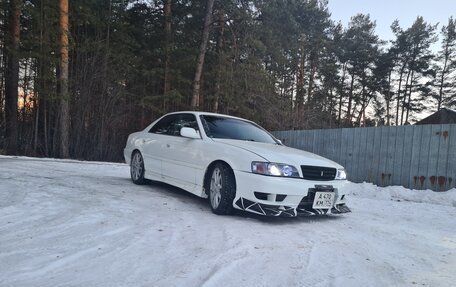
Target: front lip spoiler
[(286, 211)]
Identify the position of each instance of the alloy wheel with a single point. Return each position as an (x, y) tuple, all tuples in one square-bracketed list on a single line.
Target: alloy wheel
[(216, 187), (137, 166)]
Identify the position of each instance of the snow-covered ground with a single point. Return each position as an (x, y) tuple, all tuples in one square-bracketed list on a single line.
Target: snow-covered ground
[(70, 223)]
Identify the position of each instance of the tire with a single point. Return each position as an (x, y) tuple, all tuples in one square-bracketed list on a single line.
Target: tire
[(137, 168), (222, 189)]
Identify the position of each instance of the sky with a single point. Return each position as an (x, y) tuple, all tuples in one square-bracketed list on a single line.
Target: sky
[(384, 12)]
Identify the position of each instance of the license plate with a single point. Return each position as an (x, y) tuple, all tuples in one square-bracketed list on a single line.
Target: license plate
[(323, 200)]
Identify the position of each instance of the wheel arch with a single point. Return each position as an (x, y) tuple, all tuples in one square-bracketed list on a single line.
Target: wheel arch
[(135, 149), (207, 176)]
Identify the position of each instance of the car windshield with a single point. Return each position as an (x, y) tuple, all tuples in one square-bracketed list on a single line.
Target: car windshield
[(229, 128)]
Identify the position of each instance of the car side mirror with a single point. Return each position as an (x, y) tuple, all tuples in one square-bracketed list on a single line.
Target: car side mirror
[(280, 142), (190, 133)]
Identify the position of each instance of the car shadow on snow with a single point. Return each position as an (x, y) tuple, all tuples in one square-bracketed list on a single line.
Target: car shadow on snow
[(180, 195), (193, 201)]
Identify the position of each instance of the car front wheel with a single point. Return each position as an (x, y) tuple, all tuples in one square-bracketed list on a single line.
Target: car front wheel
[(222, 189), (137, 168)]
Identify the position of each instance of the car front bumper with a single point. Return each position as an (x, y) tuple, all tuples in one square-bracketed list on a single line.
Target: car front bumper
[(280, 196)]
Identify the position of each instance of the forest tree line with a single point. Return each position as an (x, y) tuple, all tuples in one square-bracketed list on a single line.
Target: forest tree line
[(76, 77)]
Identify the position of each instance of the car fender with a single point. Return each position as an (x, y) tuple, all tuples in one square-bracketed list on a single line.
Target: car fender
[(134, 142), (238, 159)]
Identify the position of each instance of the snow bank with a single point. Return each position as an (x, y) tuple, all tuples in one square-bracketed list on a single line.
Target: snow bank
[(399, 193)]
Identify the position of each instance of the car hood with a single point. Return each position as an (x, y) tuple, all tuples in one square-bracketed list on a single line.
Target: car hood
[(281, 153)]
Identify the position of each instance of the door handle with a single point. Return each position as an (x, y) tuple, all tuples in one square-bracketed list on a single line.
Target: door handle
[(168, 145)]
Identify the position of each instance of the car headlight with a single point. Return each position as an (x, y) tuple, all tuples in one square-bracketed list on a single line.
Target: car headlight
[(274, 169), (341, 174)]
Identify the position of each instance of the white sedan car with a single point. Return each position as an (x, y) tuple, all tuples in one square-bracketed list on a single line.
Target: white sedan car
[(236, 164)]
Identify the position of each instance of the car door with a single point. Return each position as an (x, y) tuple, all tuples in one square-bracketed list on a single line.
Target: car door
[(181, 157), (153, 145)]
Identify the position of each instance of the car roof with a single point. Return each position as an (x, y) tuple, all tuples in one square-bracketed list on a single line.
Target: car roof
[(198, 113)]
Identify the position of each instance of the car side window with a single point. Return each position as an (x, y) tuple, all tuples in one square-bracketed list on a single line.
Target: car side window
[(172, 124)]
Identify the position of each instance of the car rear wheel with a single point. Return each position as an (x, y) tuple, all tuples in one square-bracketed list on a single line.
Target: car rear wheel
[(222, 189), (137, 168)]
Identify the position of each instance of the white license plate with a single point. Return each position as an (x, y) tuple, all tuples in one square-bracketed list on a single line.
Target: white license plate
[(323, 200)]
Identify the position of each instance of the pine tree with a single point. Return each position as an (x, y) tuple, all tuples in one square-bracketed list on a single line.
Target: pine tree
[(195, 104), (414, 57), (12, 76), (446, 67), (361, 46), (63, 81)]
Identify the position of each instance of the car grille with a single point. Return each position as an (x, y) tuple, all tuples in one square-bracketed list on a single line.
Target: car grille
[(318, 173)]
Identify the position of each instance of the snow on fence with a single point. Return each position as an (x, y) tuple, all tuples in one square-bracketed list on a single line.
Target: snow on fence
[(418, 157)]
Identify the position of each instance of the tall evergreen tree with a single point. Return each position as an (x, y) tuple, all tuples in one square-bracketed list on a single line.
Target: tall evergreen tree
[(12, 76), (282, 63), (414, 55), (361, 51), (63, 81), (168, 35), (202, 53), (446, 67), (382, 77)]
